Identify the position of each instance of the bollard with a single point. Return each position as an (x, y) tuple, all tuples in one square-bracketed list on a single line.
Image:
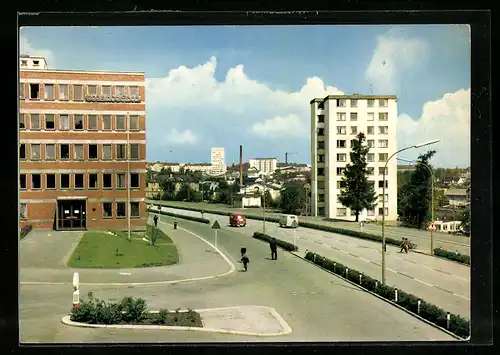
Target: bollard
[(418, 307), (334, 266), (448, 320), (175, 225), (76, 298), (360, 275), (346, 273), (76, 280), (396, 294), (376, 284), (315, 257)]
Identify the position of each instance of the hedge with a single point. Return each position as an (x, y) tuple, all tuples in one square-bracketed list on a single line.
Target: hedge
[(458, 325), (191, 218), (25, 231), (281, 243), (455, 256)]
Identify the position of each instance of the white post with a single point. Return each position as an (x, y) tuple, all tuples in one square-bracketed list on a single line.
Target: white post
[(76, 291), (76, 281), (295, 237), (360, 276), (128, 176), (334, 266), (76, 298), (346, 273), (448, 320), (396, 294), (215, 238), (418, 307), (376, 284)]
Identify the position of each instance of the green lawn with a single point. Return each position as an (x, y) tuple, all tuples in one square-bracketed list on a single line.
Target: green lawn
[(98, 250)]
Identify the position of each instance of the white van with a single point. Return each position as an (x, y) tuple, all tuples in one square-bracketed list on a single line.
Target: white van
[(289, 220)]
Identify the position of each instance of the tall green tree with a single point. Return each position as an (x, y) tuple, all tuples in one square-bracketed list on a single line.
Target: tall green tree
[(358, 193), (168, 188), (465, 218), (292, 198)]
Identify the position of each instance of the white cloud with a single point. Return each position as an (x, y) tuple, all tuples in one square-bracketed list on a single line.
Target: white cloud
[(394, 57), (447, 119), (26, 47), (184, 137), (290, 125)]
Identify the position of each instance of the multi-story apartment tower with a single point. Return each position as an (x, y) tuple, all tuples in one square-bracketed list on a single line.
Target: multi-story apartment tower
[(335, 122), (264, 165), (218, 163), (82, 147)]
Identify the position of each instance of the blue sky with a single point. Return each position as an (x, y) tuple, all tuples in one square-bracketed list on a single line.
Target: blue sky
[(275, 70)]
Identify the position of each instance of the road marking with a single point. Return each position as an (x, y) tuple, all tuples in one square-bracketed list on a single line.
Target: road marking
[(444, 272), (423, 282), (465, 298), (351, 254), (368, 261), (408, 276), (442, 289)]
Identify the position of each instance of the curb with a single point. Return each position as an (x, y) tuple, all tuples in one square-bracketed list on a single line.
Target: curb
[(386, 300)]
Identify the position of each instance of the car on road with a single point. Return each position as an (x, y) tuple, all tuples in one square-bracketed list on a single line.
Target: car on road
[(237, 220), (288, 220)]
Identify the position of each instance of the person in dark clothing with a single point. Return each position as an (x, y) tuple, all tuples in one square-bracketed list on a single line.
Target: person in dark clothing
[(155, 219), (274, 249), (406, 245), (245, 260), (402, 245), (243, 251)]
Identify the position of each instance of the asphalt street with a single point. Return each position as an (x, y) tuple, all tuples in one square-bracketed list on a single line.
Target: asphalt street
[(318, 306), (441, 282)]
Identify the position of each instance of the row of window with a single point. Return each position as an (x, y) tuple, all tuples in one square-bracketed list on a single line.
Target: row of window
[(77, 181), (78, 152), (369, 171), (342, 184), (78, 122), (342, 116), (370, 157), (343, 212), (370, 143), (354, 130), (107, 210), (61, 92), (354, 103)]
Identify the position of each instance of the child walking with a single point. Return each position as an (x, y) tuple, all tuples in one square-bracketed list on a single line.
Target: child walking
[(245, 260)]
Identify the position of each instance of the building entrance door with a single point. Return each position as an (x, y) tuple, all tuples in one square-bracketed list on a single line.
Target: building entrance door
[(71, 214)]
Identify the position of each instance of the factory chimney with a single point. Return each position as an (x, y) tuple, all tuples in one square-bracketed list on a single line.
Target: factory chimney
[(241, 165)]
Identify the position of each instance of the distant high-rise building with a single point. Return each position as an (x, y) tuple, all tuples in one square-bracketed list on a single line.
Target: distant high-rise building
[(218, 164), (264, 165)]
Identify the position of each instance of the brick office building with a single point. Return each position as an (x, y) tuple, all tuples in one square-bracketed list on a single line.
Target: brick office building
[(75, 128)]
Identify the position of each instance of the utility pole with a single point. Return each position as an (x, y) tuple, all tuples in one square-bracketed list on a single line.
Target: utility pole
[(128, 177), (264, 209)]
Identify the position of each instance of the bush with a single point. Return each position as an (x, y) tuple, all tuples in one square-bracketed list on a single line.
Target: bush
[(455, 256), (281, 243), (458, 325), (191, 218), (134, 310), (25, 231), (161, 317)]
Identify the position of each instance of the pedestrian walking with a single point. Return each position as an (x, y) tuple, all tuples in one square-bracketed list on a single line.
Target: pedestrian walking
[(243, 250), (155, 219), (274, 249), (245, 260), (402, 244), (406, 245)]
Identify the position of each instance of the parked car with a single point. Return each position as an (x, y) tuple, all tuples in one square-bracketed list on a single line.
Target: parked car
[(237, 220), (289, 220)]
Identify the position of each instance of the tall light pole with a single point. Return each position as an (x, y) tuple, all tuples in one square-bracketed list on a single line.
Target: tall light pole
[(307, 186), (264, 208), (128, 176), (432, 196), (383, 200)]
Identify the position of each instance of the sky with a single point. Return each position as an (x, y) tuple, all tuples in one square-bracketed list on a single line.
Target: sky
[(222, 86)]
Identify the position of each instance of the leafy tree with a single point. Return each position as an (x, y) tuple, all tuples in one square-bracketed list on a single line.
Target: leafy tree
[(268, 199), (168, 188), (292, 198), (415, 196), (440, 198), (358, 193), (465, 218)]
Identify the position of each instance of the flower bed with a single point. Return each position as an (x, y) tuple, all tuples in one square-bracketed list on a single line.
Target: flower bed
[(450, 255), (191, 218), (281, 243)]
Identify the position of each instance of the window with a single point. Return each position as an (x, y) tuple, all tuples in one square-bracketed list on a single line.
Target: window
[(78, 151), (354, 130), (23, 211), (341, 184), (371, 143), (370, 130), (50, 152), (92, 90), (93, 181), (341, 103), (371, 102), (341, 116), (382, 156), (321, 145), (321, 118), (78, 92), (120, 122), (92, 151), (134, 123), (106, 122), (120, 210), (341, 211), (78, 122), (79, 181), (120, 90), (92, 122), (120, 181), (383, 143), (321, 131), (340, 171), (383, 130), (321, 171), (352, 142), (49, 92), (321, 185), (135, 182), (120, 152), (107, 210), (106, 152), (134, 151), (21, 91), (34, 91), (370, 171), (341, 144), (64, 181), (370, 212), (341, 129), (321, 198), (36, 63), (22, 181), (341, 157), (321, 158), (370, 157), (64, 153), (35, 151), (380, 197), (134, 209), (134, 90), (381, 171), (354, 116), (381, 184), (107, 182), (370, 116), (321, 105), (51, 181), (22, 151), (383, 102), (383, 116), (106, 90), (34, 121), (354, 102), (22, 121), (50, 122), (64, 122), (63, 92), (36, 181), (380, 211), (371, 184)]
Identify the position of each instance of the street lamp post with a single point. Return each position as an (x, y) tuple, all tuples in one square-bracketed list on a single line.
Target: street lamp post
[(128, 178), (383, 200), (307, 187), (432, 198), (264, 208)]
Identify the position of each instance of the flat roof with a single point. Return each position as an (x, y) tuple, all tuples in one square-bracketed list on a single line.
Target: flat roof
[(82, 71), (262, 158), (353, 96)]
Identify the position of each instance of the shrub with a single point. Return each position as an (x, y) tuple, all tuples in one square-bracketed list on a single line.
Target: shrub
[(161, 317), (191, 218), (281, 243), (458, 325), (455, 256), (25, 231), (133, 310)]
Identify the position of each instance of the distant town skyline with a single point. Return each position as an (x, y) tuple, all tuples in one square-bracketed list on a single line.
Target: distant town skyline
[(225, 86)]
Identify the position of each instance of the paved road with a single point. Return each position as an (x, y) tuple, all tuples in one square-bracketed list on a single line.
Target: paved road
[(441, 282), (422, 238), (317, 305)]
